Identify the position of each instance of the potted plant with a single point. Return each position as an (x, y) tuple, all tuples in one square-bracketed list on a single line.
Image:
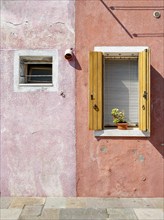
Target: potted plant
[(119, 119)]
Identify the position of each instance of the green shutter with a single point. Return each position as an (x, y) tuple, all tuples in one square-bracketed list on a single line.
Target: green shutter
[(95, 90), (144, 90)]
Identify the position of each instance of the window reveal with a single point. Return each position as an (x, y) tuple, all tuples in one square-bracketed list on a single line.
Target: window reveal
[(39, 73), (121, 89)]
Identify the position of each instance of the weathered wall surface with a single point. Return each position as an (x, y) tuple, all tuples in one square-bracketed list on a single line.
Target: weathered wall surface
[(38, 128), (121, 167)]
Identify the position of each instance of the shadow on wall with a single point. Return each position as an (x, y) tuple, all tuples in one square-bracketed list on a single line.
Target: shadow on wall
[(75, 63), (157, 114), (157, 111), (149, 35), (156, 7), (112, 8), (108, 8)]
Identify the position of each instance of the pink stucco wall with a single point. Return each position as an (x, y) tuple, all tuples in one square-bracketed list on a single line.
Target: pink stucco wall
[(38, 128), (121, 167)]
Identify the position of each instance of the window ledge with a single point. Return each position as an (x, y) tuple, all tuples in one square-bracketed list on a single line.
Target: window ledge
[(35, 84), (114, 132)]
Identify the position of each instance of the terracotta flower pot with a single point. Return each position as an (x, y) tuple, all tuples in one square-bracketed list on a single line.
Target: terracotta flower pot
[(122, 126)]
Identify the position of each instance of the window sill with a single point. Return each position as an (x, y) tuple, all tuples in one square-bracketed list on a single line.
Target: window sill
[(35, 84), (33, 87), (114, 132)]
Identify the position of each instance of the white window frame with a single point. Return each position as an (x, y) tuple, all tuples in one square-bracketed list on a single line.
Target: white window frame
[(115, 51)]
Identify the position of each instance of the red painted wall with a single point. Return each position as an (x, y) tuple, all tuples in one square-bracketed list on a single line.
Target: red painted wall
[(119, 167)]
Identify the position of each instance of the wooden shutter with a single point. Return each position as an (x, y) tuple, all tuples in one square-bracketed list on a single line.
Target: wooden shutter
[(144, 90), (95, 90)]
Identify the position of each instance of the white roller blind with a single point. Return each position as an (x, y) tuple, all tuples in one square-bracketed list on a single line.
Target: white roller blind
[(121, 89)]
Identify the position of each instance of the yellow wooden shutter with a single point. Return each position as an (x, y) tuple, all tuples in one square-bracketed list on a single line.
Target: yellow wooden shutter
[(95, 90), (144, 90)]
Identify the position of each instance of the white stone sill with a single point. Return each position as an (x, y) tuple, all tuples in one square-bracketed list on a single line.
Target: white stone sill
[(114, 132), (35, 84)]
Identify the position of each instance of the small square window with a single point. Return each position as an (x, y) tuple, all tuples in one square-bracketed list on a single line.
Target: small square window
[(35, 70)]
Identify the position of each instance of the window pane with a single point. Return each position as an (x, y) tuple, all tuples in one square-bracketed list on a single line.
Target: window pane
[(39, 74), (121, 89)]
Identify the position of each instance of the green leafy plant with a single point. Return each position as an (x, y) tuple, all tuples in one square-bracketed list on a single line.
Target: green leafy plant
[(118, 116)]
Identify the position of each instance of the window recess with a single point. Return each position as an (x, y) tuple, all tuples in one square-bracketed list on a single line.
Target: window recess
[(35, 70), (121, 88), (119, 80)]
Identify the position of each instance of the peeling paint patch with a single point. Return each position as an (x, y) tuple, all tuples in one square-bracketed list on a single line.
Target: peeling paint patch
[(104, 149), (141, 158), (14, 24)]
